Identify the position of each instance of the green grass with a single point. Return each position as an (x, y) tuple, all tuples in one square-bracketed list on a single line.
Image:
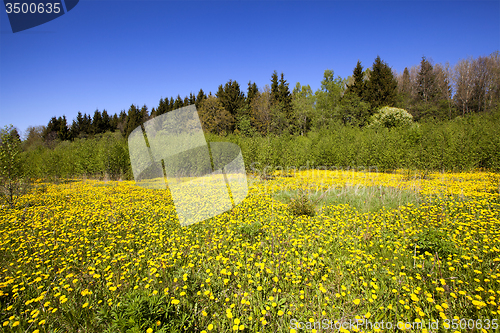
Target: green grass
[(364, 199)]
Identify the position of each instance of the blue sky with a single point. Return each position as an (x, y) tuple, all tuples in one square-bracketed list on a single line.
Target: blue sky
[(111, 54)]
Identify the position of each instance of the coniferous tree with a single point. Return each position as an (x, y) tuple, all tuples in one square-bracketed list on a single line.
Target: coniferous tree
[(192, 99), (170, 104), (114, 122), (96, 123), (106, 121), (134, 119), (63, 133), (231, 97), (87, 124), (285, 104), (122, 122), (251, 92), (199, 98), (144, 114), (274, 88), (76, 126), (358, 85), (162, 107), (179, 103), (51, 130), (381, 87)]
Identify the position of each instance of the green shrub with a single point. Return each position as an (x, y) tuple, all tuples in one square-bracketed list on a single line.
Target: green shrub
[(389, 117), (302, 205)]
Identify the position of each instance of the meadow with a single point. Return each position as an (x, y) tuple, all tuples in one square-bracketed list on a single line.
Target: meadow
[(303, 251)]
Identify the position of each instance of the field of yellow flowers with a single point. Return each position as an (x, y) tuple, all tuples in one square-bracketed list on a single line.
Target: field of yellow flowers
[(93, 256)]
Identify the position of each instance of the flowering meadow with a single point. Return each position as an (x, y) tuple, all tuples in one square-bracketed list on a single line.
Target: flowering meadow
[(94, 256)]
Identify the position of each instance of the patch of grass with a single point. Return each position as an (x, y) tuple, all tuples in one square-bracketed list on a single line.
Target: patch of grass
[(249, 230), (365, 199), (433, 241), (302, 204)]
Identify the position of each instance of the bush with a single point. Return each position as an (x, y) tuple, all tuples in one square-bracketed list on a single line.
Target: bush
[(302, 205), (391, 117)]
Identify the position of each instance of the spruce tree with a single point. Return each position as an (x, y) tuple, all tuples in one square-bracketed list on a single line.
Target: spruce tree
[(381, 88), (231, 97), (199, 98), (106, 121), (192, 99), (63, 132), (96, 123), (51, 130), (114, 122), (134, 119), (179, 103), (171, 104), (251, 92), (285, 98), (144, 114), (358, 86), (162, 106), (77, 125), (274, 88), (87, 124)]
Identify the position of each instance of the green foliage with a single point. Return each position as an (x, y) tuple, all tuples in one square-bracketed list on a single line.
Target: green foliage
[(358, 86), (389, 117), (100, 156), (214, 117), (231, 97), (381, 87), (12, 176), (141, 310), (303, 101), (327, 99), (244, 125), (433, 241), (462, 144), (250, 230), (352, 110)]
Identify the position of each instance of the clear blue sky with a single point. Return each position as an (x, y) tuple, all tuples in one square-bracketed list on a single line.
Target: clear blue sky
[(111, 54)]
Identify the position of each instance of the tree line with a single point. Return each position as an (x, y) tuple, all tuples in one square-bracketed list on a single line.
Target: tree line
[(427, 91)]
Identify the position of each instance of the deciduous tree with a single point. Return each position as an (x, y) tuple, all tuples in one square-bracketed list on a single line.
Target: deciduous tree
[(214, 117)]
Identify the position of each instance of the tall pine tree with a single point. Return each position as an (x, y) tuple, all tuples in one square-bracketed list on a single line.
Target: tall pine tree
[(274, 88), (199, 98), (251, 92), (381, 87), (231, 97), (358, 86)]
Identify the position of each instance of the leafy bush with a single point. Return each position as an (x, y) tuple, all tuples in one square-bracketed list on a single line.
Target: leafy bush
[(391, 117)]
